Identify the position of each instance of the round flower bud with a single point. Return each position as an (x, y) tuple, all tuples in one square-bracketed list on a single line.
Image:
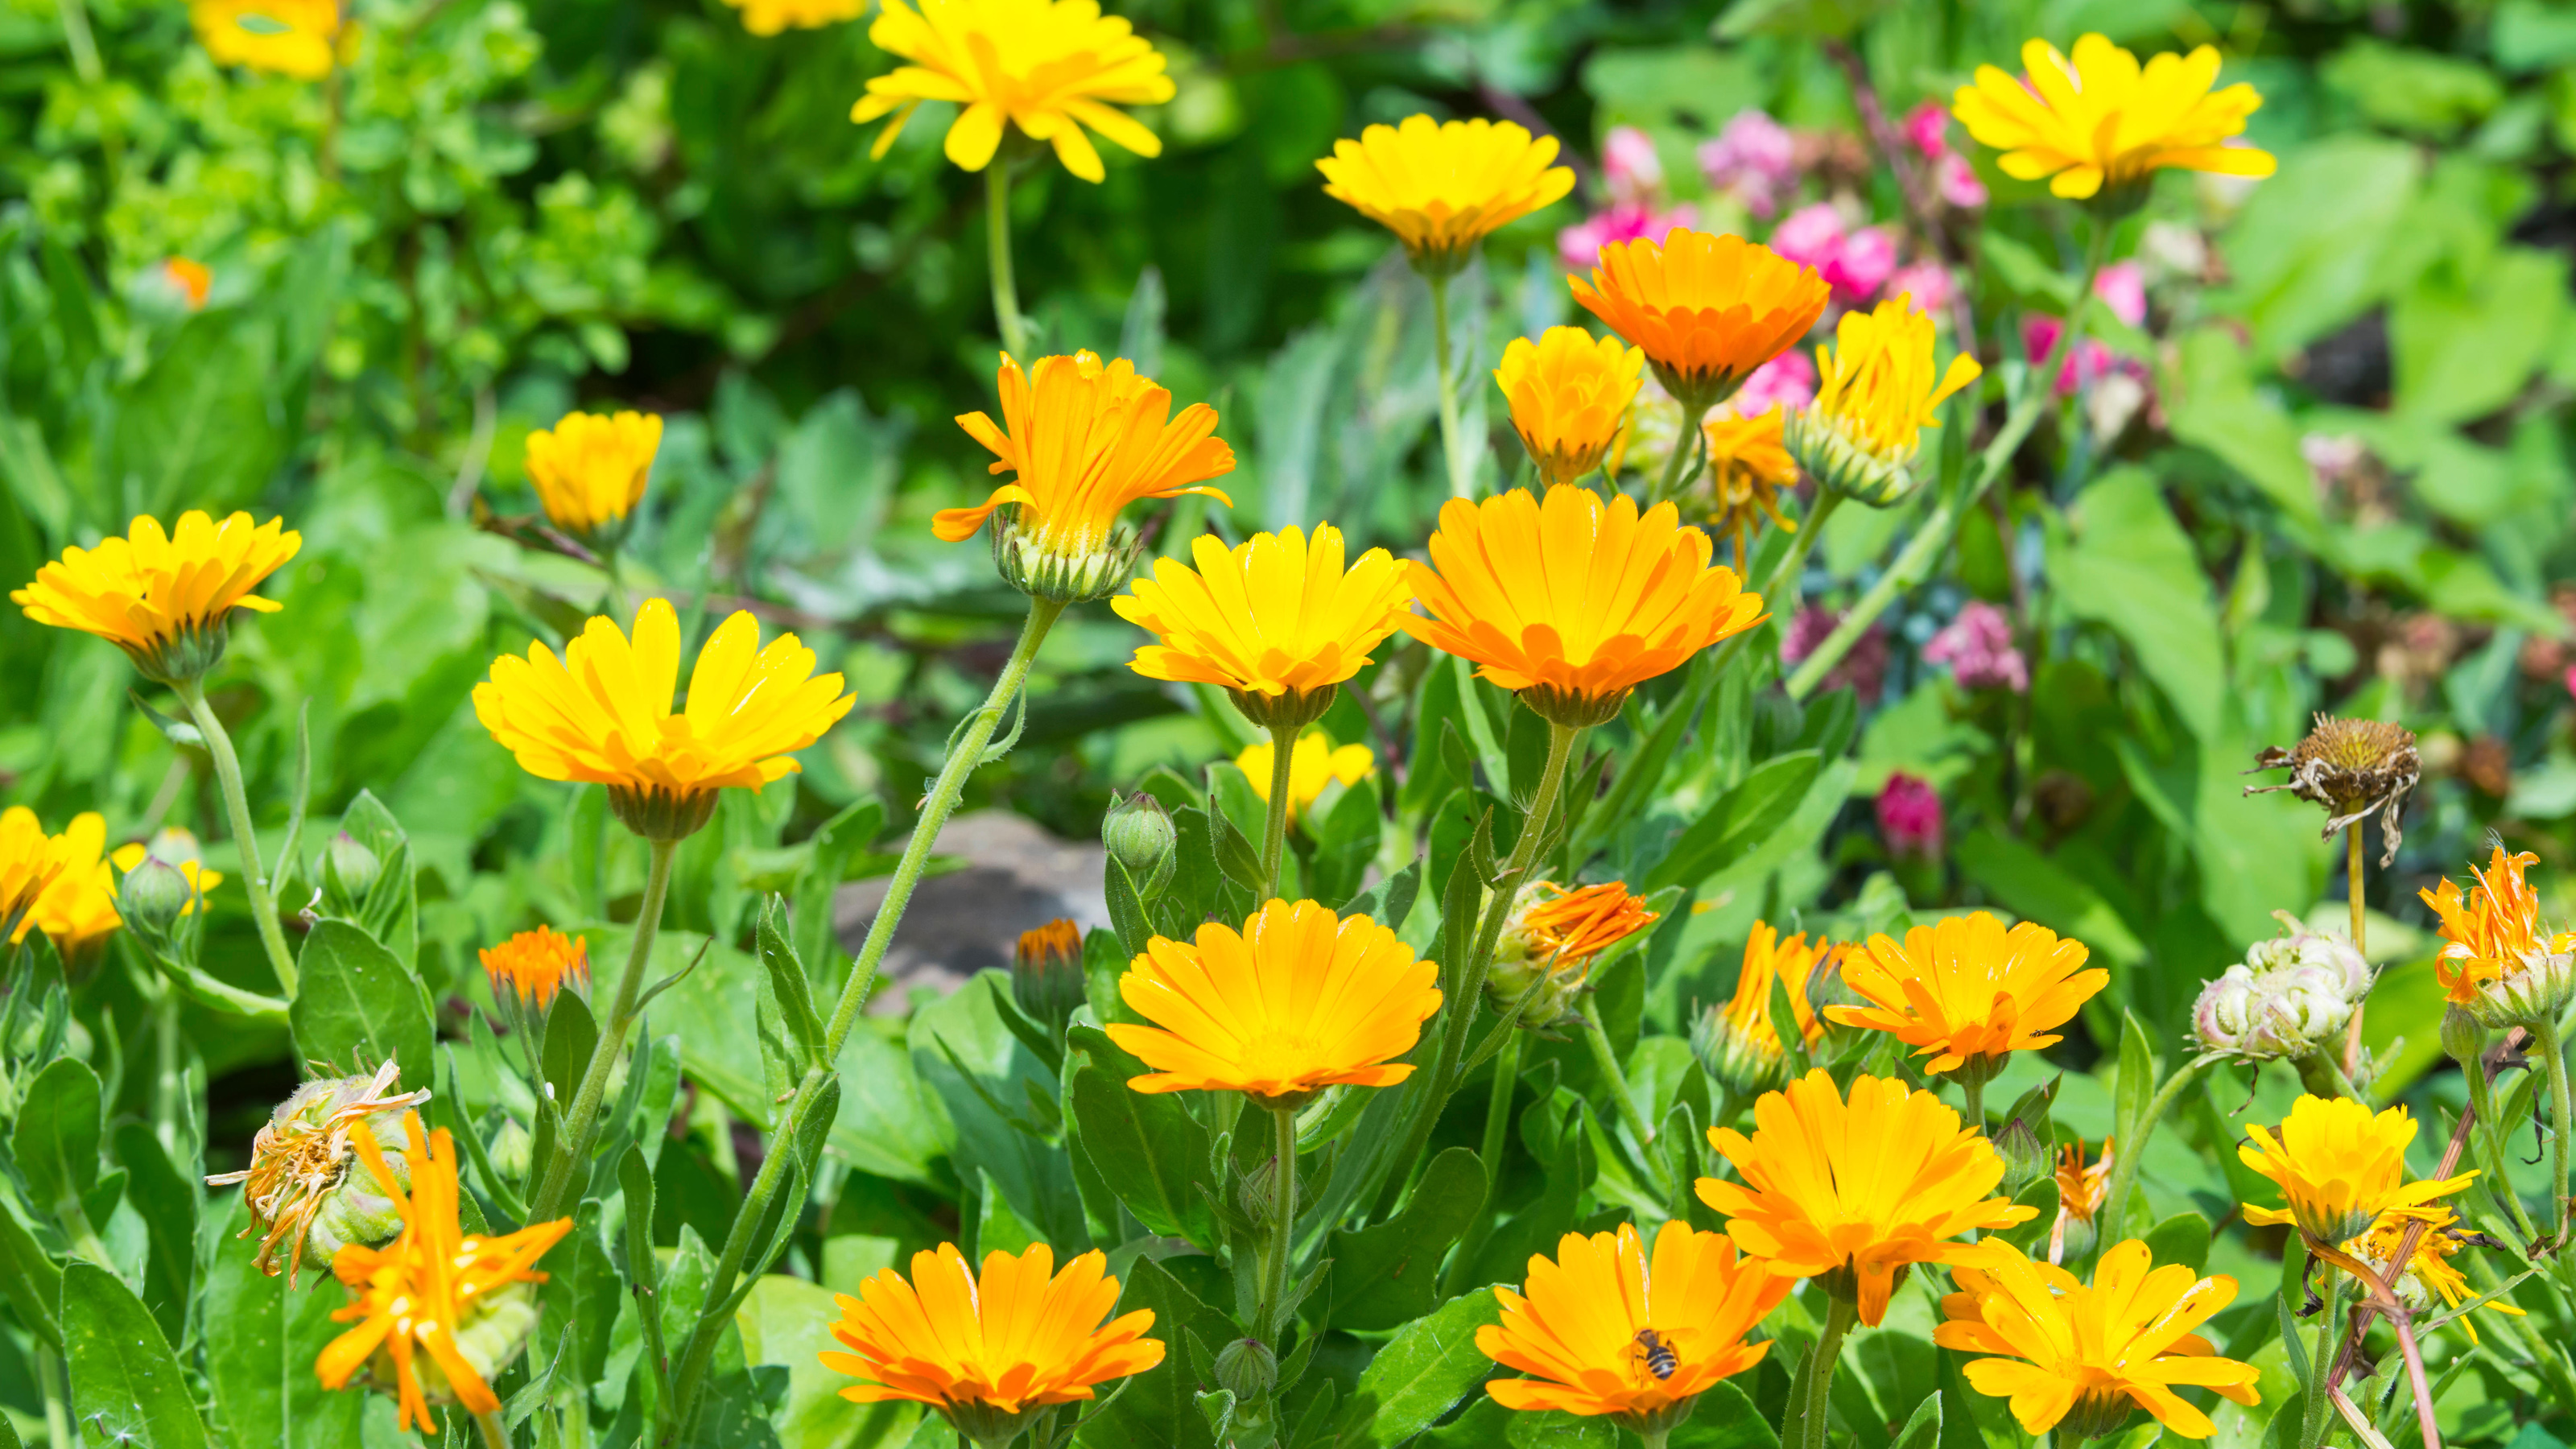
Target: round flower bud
[(1746, 1061), (153, 896), (512, 1150), (307, 1190), (1141, 837), (1247, 1369), (2332, 955), (1258, 1193), (2026, 1158), (2464, 1038), (349, 869)]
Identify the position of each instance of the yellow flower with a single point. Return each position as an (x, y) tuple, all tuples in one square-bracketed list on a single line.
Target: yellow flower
[(769, 17), (2101, 120), (1600, 1330), (458, 1298), (1312, 765), (1875, 394), (2497, 959), (303, 1186), (1737, 1041), (1275, 620), (31, 863), (2428, 1272), (78, 911), (589, 472), (284, 37), (1573, 602), (163, 598), (1569, 394), (533, 967), (1443, 187), (1966, 992), (1747, 468), (1051, 67), (1084, 439), (1300, 1000), (2340, 1169), (985, 1349), (1855, 1193), (2075, 1357), (1706, 309), (603, 714)]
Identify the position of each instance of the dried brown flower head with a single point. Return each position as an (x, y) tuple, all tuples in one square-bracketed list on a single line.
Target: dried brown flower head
[(2352, 767), (301, 1190)]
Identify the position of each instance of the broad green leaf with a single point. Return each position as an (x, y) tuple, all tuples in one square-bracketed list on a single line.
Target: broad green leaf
[(1421, 1373), (2132, 568), (1725, 1419), (983, 1075), (788, 1322), (1741, 819), (582, 1290), (2183, 1238), (1389, 1272), (1487, 1425), (167, 1204), (126, 1385), (789, 986), (1158, 1408), (391, 911), (1923, 1427), (1147, 1147), (840, 846), (29, 1277), (2304, 256), (2036, 887), (356, 1006), (260, 1362), (56, 1139)]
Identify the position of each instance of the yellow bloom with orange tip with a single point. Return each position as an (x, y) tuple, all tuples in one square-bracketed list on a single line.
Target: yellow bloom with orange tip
[(1875, 394), (2077, 1357), (1707, 310), (163, 598), (298, 38), (1300, 999), (1312, 764), (1737, 1042), (31, 864), (1569, 394), (985, 1349), (532, 968), (2497, 959), (1966, 992), (1276, 620), (1572, 602), (1057, 69), (1441, 187), (1855, 1192), (773, 17), (2340, 1168), (1603, 1330), (78, 911), (1084, 439), (2427, 1273), (2100, 121), (602, 713), (1747, 468), (439, 1311), (589, 471)]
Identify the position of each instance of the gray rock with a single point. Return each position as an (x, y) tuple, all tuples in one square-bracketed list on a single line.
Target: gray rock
[(1015, 877)]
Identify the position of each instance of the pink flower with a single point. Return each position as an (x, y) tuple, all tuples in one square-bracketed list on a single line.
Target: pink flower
[(1630, 166), (1958, 182), (1978, 648), (1753, 157), (1811, 236), (1909, 817), (2571, 679), (1788, 381), (2122, 286), (1862, 265), (1863, 667), (1928, 283), (1579, 245), (1928, 127)]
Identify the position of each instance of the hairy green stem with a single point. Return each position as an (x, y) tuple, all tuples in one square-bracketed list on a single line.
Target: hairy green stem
[(1274, 832), (263, 893), (2312, 1426), (2491, 1145), (494, 1436), (1815, 1410), (1269, 1319), (699, 1352), (997, 232), (2125, 1155), (1498, 1120), (1607, 1062), (1454, 451), (572, 1139), (1685, 443), (2554, 1060), (55, 1384)]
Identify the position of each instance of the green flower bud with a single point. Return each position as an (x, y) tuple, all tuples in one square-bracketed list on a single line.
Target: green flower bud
[(153, 896), (349, 869), (2026, 1157), (1247, 1369), (2464, 1038), (1141, 837), (1027, 562), (1258, 1193)]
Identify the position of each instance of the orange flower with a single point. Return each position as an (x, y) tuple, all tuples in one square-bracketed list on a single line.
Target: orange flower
[(1300, 1000), (1708, 310), (1573, 602), (2497, 959), (1569, 395), (1747, 468), (985, 1352), (192, 279), (1575, 925), (1966, 992), (1736, 1041), (1601, 1331), (535, 966)]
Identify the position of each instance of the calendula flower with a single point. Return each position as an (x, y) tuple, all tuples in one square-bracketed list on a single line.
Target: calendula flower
[(2339, 1169), (590, 471), (2497, 959), (305, 1186), (2352, 767), (297, 38), (1301, 999), (1706, 309), (985, 1350), (1275, 620), (771, 17), (2101, 121), (439, 1311), (1542, 964), (1601, 1330), (1085, 439), (163, 598), (2427, 1273), (1057, 69), (1966, 992), (1441, 187), (1569, 394), (2080, 1189), (1046, 972), (1747, 468), (1737, 1042), (1314, 763), (603, 714), (192, 280), (2077, 1357), (1876, 392), (532, 968), (31, 863), (78, 911), (1572, 602), (1854, 1193)]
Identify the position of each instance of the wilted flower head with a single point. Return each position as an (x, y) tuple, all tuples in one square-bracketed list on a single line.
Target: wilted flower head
[(2352, 767), (305, 1185), (1910, 817), (2427, 1273), (1978, 648), (2080, 1190), (1754, 157), (2497, 959), (2290, 996), (1747, 471)]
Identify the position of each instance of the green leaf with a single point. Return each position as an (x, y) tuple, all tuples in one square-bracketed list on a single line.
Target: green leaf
[(789, 986), (1146, 1145), (788, 1322), (2135, 570), (2183, 1238), (582, 1291), (1724, 1419), (167, 1203), (29, 1277), (982, 1074), (126, 1384), (391, 911), (260, 1364), (1741, 820), (840, 848), (571, 1036), (56, 1139), (1923, 1427), (1420, 1373), (1487, 1424), (1158, 1408), (356, 1004), (1389, 1272)]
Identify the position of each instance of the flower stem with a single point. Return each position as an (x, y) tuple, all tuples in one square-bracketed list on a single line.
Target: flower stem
[(1274, 833), (1809, 1415), (963, 757), (2124, 1157), (494, 1436), (1607, 1061), (263, 895), (2312, 1427), (1006, 287), (2554, 1059), (1498, 1121), (2491, 1154), (1453, 444), (572, 1140), (1685, 443), (2352, 871), (1783, 582), (1932, 537), (1283, 1229)]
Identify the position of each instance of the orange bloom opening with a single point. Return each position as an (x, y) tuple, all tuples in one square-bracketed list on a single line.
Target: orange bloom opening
[(1748, 466), (1708, 310), (535, 966), (1566, 926), (1966, 992)]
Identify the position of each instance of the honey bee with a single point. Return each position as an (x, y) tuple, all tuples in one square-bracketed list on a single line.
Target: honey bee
[(1655, 1353)]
